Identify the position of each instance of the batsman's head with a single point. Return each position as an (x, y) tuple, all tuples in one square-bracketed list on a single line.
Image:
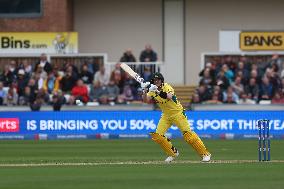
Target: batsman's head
[(157, 79)]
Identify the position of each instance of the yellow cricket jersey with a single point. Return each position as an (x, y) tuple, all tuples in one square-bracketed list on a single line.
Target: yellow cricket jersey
[(168, 106)]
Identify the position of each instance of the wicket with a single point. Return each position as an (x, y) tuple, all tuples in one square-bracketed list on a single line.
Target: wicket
[(263, 140)]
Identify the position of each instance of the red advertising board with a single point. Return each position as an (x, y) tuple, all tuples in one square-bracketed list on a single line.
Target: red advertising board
[(9, 125)]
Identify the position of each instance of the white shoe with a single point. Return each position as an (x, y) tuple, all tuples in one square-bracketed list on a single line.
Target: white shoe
[(171, 158), (206, 158)]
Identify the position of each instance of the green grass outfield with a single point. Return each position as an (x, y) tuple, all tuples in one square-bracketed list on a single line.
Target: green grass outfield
[(136, 164)]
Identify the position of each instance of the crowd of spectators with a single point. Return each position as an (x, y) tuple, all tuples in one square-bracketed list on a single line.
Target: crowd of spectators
[(241, 80), (41, 83), (224, 79)]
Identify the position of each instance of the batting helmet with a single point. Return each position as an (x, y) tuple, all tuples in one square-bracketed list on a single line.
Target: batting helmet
[(156, 75)]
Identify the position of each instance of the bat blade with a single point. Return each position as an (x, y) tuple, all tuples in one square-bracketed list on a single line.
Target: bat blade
[(132, 73)]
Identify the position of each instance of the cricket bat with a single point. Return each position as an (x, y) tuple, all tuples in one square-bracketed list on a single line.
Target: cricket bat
[(132, 73)]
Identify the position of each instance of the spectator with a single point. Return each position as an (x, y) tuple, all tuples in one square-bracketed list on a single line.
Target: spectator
[(128, 56), (275, 68), (75, 70), (38, 80), (148, 54), (230, 92), (27, 67), (36, 105), (217, 92), (222, 81), (126, 96), (93, 64), (99, 93), (80, 91), (245, 72), (211, 68), (7, 76), (68, 80), (44, 63), (204, 93), (58, 76), (22, 81), (102, 76), (51, 83), (255, 67), (33, 90), (42, 97), (266, 89), (3, 94), (85, 75), (13, 69), (213, 100), (138, 96), (273, 79), (207, 78), (195, 99), (277, 64), (57, 101), (244, 81), (25, 98), (237, 86), (134, 85), (12, 95), (228, 73), (254, 74), (231, 64), (244, 99), (252, 89), (118, 76), (230, 99), (113, 91), (216, 99)]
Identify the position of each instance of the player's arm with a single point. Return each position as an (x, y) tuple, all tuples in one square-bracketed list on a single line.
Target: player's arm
[(146, 98), (153, 91), (147, 87), (165, 95)]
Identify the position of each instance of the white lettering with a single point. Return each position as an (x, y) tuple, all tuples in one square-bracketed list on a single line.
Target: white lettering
[(51, 125), (215, 124), (31, 125)]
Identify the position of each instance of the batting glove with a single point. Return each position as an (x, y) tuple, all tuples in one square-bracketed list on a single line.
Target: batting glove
[(153, 88), (145, 85)]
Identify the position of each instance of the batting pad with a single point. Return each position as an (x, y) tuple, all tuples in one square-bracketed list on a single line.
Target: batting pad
[(164, 143), (192, 139)]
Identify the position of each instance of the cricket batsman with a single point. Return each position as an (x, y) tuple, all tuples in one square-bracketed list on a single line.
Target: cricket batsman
[(156, 91)]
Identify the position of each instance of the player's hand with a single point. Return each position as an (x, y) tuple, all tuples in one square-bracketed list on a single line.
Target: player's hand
[(153, 88), (145, 85)]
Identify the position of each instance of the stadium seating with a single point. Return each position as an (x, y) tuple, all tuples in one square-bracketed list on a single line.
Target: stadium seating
[(184, 93)]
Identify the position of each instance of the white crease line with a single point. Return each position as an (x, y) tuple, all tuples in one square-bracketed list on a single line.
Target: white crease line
[(132, 163)]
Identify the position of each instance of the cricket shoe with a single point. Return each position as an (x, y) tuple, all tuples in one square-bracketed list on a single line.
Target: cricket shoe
[(206, 158), (171, 158)]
